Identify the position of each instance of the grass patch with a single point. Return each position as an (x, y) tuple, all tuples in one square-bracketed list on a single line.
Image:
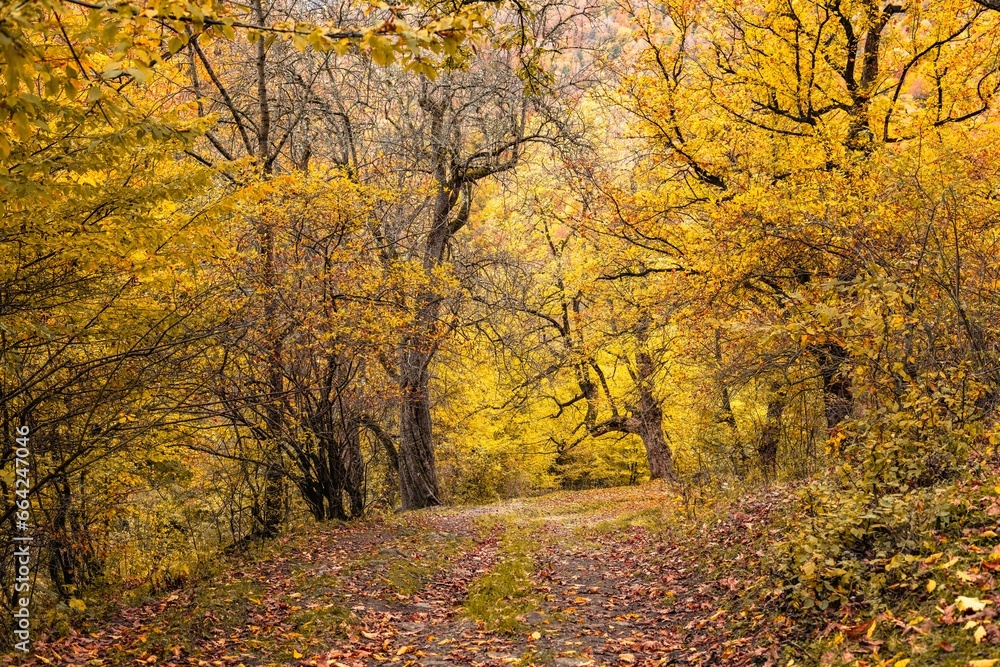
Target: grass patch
[(505, 592), (650, 518), (408, 572), (535, 656), (321, 622), (406, 568), (406, 577)]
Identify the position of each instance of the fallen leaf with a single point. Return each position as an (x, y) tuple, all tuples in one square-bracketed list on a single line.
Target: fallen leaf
[(963, 603)]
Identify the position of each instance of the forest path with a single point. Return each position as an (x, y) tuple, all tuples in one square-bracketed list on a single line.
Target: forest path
[(568, 579)]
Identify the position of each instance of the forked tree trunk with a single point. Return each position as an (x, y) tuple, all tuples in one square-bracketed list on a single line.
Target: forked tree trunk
[(649, 416), (649, 422), (418, 484), (646, 420), (455, 177)]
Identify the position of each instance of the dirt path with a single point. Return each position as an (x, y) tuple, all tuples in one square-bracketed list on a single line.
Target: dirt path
[(597, 585)]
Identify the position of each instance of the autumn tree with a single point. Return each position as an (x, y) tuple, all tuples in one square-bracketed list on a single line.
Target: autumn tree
[(774, 133), (110, 315)]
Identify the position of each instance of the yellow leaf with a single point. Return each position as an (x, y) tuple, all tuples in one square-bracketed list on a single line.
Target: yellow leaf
[(963, 603), (296, 654), (983, 663), (979, 634), (902, 663), (536, 635), (405, 649), (931, 585), (77, 604)]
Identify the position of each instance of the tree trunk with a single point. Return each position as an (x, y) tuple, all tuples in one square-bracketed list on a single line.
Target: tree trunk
[(274, 499), (649, 416), (737, 453), (354, 468), (658, 453), (770, 436), (61, 570), (452, 205), (838, 398), (274, 474), (418, 482), (649, 422)]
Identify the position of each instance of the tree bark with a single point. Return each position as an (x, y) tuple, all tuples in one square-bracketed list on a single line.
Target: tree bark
[(418, 483), (455, 177), (274, 475), (737, 453), (354, 468), (838, 398), (649, 422), (770, 437), (648, 415)]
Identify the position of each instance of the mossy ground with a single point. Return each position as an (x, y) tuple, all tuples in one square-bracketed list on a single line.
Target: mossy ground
[(504, 594)]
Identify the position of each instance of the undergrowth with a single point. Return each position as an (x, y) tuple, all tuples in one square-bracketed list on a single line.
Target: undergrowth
[(834, 575)]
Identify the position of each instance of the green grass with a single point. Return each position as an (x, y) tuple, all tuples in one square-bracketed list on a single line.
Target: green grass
[(506, 592), (533, 656), (321, 622), (651, 518), (407, 566)]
